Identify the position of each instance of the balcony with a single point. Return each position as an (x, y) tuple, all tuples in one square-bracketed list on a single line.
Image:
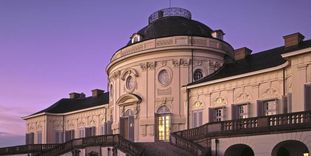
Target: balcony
[(282, 123)]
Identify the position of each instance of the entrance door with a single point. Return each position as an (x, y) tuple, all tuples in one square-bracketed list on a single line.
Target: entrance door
[(163, 124), (127, 127)]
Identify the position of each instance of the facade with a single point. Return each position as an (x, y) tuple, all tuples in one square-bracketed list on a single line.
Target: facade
[(177, 74)]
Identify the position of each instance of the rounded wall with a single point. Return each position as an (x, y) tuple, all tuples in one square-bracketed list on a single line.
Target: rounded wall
[(156, 77)]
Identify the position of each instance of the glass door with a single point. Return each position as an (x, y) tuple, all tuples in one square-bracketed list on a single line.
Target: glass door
[(164, 127)]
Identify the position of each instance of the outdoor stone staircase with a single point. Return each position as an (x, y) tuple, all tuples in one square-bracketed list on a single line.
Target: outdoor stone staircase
[(162, 149)]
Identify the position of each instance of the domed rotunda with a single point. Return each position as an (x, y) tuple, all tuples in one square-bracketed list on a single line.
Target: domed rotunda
[(147, 74)]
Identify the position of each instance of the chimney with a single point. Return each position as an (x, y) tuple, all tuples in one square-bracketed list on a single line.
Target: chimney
[(97, 92), (75, 95), (241, 53), (219, 34), (293, 39)]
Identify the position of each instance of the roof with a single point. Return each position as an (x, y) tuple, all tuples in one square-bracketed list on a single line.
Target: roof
[(68, 105), (258, 61), (174, 26)]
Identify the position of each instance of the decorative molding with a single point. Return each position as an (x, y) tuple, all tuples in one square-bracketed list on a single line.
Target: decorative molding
[(198, 105), (181, 61), (129, 71), (164, 101), (148, 66), (167, 91)]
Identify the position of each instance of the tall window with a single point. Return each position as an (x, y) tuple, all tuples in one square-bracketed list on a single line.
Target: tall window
[(69, 135), (59, 135), (240, 111), (90, 131), (103, 129), (307, 92), (270, 107), (216, 114), (197, 75), (267, 107), (39, 137), (29, 138), (197, 117), (81, 132)]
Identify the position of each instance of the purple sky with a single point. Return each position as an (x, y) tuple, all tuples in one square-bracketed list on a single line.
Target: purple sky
[(49, 48)]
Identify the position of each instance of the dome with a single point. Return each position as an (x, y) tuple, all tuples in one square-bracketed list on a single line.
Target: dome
[(172, 22)]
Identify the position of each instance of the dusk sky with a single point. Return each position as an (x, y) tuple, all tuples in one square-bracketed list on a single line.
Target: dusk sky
[(49, 48)]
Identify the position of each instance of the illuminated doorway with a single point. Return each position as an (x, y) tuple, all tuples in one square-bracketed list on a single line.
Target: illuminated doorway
[(127, 125), (163, 124)]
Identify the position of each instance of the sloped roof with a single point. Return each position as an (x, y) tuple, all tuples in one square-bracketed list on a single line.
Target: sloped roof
[(68, 105), (258, 61)]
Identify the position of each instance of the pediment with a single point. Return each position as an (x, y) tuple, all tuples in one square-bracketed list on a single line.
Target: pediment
[(129, 99)]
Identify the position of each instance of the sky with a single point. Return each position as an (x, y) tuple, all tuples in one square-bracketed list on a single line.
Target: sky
[(49, 48)]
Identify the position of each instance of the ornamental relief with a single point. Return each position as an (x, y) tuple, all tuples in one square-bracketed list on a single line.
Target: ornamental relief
[(81, 122), (58, 124), (127, 72), (198, 105), (91, 121), (115, 75), (164, 101), (268, 93), (148, 66), (219, 99), (181, 62), (70, 124), (242, 97), (135, 109)]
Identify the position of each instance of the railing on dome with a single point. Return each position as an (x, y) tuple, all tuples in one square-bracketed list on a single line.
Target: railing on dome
[(169, 12), (289, 122)]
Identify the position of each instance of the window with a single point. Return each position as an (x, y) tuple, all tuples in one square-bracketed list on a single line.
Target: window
[(216, 114), (240, 111), (39, 137), (103, 129), (219, 114), (29, 138), (135, 38), (197, 75), (59, 135), (270, 107), (130, 83), (81, 133), (69, 135), (307, 95), (197, 117), (111, 91), (90, 131), (164, 77), (267, 107)]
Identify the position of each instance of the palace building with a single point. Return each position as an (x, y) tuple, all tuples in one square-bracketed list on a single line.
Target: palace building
[(178, 86)]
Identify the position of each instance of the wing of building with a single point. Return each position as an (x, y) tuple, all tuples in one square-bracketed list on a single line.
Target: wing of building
[(178, 81)]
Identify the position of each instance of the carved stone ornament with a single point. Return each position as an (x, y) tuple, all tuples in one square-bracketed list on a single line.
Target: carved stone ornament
[(220, 101), (143, 66), (151, 65), (175, 63), (148, 66)]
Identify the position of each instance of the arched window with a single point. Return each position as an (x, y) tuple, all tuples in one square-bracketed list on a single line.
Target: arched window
[(197, 75), (163, 110), (135, 38)]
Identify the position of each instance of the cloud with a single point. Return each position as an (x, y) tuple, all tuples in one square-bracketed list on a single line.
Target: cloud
[(8, 139)]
